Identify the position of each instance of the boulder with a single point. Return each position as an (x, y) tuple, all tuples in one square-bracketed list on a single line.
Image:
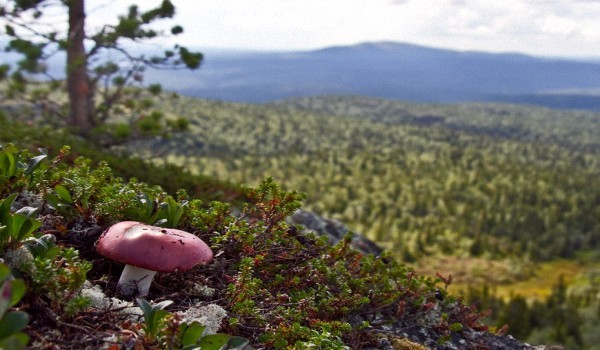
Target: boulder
[(333, 230)]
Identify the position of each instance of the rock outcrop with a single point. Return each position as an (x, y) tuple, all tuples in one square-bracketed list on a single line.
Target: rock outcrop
[(333, 230)]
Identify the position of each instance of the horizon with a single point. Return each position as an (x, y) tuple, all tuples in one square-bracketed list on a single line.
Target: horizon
[(234, 50)]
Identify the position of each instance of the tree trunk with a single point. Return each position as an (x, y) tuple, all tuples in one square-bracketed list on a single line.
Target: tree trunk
[(78, 84)]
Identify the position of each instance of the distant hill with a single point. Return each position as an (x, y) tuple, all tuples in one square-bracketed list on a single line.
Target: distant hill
[(392, 70)]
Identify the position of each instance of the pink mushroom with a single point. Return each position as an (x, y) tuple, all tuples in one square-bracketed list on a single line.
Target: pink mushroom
[(146, 249)]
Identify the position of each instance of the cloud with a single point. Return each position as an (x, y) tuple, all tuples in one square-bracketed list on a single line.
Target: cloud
[(548, 27)]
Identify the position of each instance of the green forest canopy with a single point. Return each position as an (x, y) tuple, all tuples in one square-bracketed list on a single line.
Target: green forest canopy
[(462, 179)]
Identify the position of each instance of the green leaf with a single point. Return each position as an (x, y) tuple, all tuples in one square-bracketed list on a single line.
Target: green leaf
[(162, 305), (192, 60), (34, 163), (4, 164), (236, 342), (153, 315), (22, 227), (8, 161), (14, 162), (5, 296), (63, 193), (40, 247), (12, 323), (10, 31), (27, 212), (17, 341), (161, 222), (18, 291), (191, 347), (16, 224), (4, 272), (213, 341), (170, 212), (10, 292), (176, 30), (146, 308), (85, 202), (192, 333), (5, 214)]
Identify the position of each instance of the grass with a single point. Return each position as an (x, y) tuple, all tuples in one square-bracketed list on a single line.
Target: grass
[(540, 285), (511, 276)]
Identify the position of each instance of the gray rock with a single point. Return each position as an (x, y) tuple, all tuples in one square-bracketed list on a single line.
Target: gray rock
[(333, 230)]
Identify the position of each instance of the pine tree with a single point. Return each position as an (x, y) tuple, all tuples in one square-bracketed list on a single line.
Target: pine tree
[(85, 68)]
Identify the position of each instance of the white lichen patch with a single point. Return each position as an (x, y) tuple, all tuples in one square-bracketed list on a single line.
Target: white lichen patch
[(99, 300), (209, 315), (203, 290)]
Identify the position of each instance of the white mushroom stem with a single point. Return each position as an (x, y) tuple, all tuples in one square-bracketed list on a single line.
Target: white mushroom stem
[(135, 279)]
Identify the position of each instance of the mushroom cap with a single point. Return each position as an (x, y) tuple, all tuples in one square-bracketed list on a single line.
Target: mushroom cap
[(153, 248)]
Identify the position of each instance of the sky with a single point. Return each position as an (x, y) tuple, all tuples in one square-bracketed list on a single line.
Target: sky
[(558, 28)]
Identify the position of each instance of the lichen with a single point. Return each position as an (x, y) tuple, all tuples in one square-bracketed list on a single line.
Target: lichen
[(204, 290), (209, 315), (99, 300), (20, 259)]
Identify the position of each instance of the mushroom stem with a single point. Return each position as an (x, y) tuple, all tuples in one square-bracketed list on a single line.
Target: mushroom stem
[(135, 279)]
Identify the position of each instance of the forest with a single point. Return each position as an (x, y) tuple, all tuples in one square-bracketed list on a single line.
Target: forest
[(470, 179), (488, 193)]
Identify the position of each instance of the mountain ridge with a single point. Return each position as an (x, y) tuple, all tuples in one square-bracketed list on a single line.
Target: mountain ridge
[(393, 70)]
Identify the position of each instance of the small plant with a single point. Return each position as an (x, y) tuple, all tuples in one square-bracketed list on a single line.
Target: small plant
[(97, 193), (300, 291), (192, 337), (154, 316), (62, 199), (11, 322), (207, 219), (170, 212), (44, 246), (9, 160), (76, 190), (16, 227), (163, 327), (59, 273), (133, 201), (144, 208), (322, 339), (14, 170)]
